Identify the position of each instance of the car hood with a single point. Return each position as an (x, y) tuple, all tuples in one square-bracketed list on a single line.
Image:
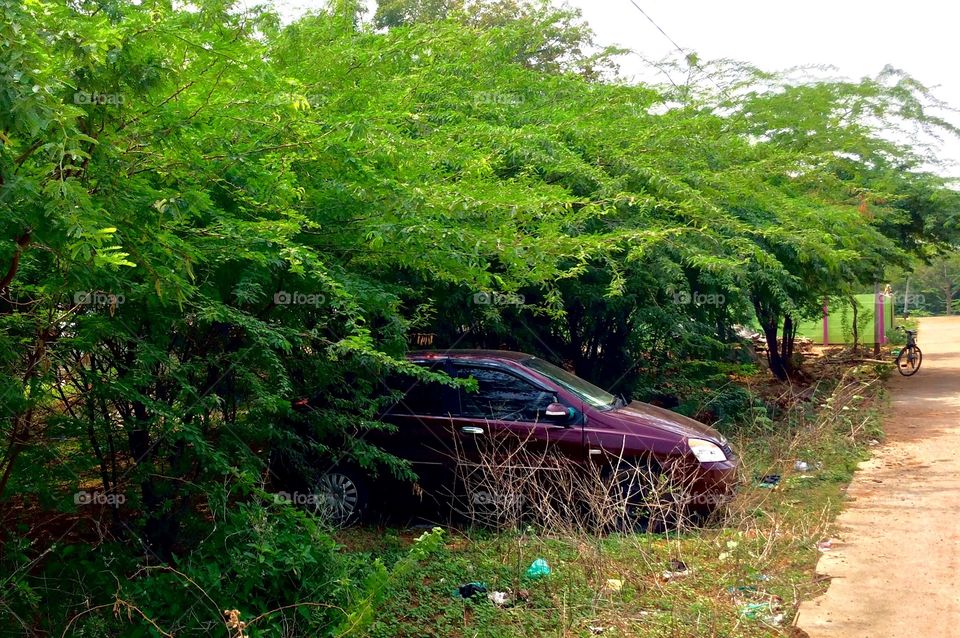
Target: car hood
[(648, 415)]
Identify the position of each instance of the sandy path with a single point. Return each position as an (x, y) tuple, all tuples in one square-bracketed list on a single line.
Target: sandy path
[(896, 565)]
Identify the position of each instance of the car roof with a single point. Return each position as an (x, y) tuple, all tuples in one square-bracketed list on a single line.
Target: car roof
[(509, 355)]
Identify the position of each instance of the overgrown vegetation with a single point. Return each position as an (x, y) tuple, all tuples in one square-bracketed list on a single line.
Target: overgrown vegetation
[(205, 215), (695, 583)]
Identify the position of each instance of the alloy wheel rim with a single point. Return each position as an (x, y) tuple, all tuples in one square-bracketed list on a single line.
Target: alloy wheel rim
[(340, 495)]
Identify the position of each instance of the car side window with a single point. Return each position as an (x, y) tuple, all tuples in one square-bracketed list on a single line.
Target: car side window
[(502, 396), (422, 398)]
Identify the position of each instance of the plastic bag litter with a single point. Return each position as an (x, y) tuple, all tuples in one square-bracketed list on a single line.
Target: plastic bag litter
[(677, 565), (613, 585), (538, 569), (769, 481), (469, 589), (764, 612), (499, 598)]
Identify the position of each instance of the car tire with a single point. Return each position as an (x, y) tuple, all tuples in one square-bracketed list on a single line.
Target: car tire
[(342, 496)]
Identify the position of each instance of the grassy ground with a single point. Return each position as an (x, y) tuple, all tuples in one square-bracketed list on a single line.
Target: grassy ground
[(744, 575)]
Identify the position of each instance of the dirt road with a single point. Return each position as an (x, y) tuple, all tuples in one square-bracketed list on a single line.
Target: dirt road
[(896, 561)]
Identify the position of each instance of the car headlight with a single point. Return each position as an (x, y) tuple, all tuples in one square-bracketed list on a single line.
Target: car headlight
[(706, 451)]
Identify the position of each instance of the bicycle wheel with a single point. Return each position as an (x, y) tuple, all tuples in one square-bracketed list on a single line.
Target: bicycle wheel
[(909, 360)]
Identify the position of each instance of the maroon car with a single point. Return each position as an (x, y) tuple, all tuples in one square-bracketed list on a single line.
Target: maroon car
[(529, 400)]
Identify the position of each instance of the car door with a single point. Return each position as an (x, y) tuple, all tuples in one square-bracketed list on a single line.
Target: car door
[(423, 419), (503, 421)]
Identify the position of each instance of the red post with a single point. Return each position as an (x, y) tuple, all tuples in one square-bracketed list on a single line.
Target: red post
[(826, 323), (882, 317)]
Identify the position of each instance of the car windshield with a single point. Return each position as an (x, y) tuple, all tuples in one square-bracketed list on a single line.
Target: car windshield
[(588, 392)]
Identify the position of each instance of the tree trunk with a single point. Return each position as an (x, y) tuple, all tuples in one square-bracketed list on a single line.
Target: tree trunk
[(770, 323), (21, 243), (774, 358), (21, 423), (159, 528), (787, 342), (18, 440)]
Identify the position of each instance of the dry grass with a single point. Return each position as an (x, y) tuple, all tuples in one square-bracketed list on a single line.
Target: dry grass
[(511, 481)]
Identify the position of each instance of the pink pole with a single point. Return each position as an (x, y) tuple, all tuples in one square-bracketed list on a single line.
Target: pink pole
[(882, 318), (826, 325)]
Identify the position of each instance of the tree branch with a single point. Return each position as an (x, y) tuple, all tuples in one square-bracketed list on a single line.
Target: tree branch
[(21, 242)]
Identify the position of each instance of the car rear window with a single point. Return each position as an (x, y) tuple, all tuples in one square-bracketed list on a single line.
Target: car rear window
[(422, 397)]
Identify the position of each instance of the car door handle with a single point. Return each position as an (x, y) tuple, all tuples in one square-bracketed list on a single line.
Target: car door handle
[(470, 429)]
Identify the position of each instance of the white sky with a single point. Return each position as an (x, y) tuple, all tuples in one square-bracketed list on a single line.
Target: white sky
[(858, 37)]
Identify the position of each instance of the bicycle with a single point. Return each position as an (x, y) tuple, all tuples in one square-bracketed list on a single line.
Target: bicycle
[(908, 366)]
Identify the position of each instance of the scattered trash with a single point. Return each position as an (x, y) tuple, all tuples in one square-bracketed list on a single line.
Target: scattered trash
[(764, 612), (754, 610), (672, 575), (538, 568), (741, 589), (825, 546), (499, 598), (770, 480), (761, 577), (731, 545), (873, 442), (468, 590), (596, 630), (613, 585), (801, 466), (677, 569)]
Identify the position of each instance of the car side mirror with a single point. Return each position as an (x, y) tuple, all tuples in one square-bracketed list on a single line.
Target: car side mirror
[(558, 413)]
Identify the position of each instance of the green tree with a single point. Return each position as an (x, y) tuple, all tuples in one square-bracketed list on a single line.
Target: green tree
[(941, 276), (202, 219)]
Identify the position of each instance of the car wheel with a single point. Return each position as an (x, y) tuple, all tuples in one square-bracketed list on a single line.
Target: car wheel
[(342, 496)]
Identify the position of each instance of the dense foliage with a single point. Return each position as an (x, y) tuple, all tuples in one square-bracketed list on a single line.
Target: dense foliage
[(204, 215), (930, 287)]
